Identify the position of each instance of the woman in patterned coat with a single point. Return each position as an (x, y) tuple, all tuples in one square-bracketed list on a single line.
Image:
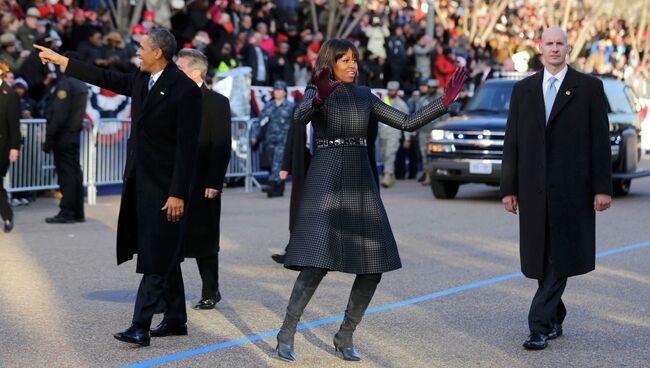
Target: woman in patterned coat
[(341, 224)]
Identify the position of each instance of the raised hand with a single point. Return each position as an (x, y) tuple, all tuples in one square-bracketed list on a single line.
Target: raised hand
[(324, 86), (454, 85), (49, 56)]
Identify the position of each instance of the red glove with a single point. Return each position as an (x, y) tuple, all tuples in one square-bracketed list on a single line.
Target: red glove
[(324, 86), (454, 85)]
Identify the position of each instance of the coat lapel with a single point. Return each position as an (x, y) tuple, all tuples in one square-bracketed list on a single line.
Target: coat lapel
[(160, 90), (565, 94)]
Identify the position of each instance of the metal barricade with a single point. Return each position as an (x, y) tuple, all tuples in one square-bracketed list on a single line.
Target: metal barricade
[(103, 151), (104, 158), (34, 169), (243, 161)]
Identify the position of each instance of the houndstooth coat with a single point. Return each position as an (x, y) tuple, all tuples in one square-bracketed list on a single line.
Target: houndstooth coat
[(342, 224)]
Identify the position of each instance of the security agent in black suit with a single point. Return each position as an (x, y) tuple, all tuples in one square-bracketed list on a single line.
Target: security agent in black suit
[(485, 71), (66, 108), (557, 128), (161, 153), (204, 213), (297, 156), (9, 140)]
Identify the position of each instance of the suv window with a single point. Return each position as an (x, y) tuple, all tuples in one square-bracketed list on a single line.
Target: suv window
[(491, 98), (616, 96)]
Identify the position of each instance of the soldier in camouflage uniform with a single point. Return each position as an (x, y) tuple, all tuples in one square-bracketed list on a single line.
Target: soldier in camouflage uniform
[(389, 137), (276, 116)]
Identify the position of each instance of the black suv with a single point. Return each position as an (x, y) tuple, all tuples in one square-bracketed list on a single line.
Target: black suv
[(467, 148)]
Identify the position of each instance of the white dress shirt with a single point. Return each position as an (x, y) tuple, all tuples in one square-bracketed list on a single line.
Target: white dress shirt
[(156, 76), (559, 76)]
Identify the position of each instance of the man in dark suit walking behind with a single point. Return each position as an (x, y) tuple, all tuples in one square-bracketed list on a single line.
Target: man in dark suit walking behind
[(166, 116), (204, 213), (557, 129)]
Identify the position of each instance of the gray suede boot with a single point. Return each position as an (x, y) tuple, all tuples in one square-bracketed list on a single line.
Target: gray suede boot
[(303, 290), (362, 292)]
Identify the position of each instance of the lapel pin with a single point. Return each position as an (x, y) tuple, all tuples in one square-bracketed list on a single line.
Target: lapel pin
[(568, 93), (162, 93)]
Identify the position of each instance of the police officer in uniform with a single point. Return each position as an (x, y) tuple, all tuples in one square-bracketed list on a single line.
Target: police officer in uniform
[(66, 107), (276, 118)]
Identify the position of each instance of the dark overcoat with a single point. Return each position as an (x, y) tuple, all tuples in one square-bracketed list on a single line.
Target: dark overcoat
[(556, 169), (202, 230), (9, 125), (161, 154)]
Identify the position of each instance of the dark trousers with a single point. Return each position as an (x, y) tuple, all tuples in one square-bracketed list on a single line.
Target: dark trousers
[(68, 170), (209, 271), (403, 154), (161, 292), (5, 208), (547, 307)]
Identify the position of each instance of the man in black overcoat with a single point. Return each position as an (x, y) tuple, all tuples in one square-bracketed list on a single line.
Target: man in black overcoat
[(557, 172), (204, 213), (9, 140), (161, 153), (297, 156)]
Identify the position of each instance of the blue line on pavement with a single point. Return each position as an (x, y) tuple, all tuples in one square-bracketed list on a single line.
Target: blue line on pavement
[(381, 308)]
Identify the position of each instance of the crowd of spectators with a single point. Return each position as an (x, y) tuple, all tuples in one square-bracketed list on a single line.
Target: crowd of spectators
[(278, 40)]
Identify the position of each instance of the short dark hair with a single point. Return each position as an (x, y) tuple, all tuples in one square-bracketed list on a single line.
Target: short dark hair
[(164, 40), (331, 51)]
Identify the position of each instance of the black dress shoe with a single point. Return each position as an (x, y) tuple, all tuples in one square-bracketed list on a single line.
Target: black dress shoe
[(135, 335), (168, 329), (278, 258), (79, 219), (60, 219), (208, 303), (536, 341), (556, 331), (8, 225), (348, 354)]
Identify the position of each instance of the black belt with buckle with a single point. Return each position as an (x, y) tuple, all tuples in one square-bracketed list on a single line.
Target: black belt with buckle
[(335, 142)]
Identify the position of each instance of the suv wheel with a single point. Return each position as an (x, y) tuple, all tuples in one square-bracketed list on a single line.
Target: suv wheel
[(622, 187), (444, 189)]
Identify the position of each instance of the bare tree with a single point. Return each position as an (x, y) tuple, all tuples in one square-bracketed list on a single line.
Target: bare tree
[(126, 16)]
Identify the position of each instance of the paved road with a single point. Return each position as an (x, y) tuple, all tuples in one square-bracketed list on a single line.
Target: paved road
[(63, 297)]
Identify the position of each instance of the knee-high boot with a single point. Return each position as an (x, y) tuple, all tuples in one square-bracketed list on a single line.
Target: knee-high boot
[(362, 292), (303, 289)]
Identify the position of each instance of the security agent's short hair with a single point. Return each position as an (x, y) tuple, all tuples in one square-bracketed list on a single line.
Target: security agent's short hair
[(198, 60), (163, 39)]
